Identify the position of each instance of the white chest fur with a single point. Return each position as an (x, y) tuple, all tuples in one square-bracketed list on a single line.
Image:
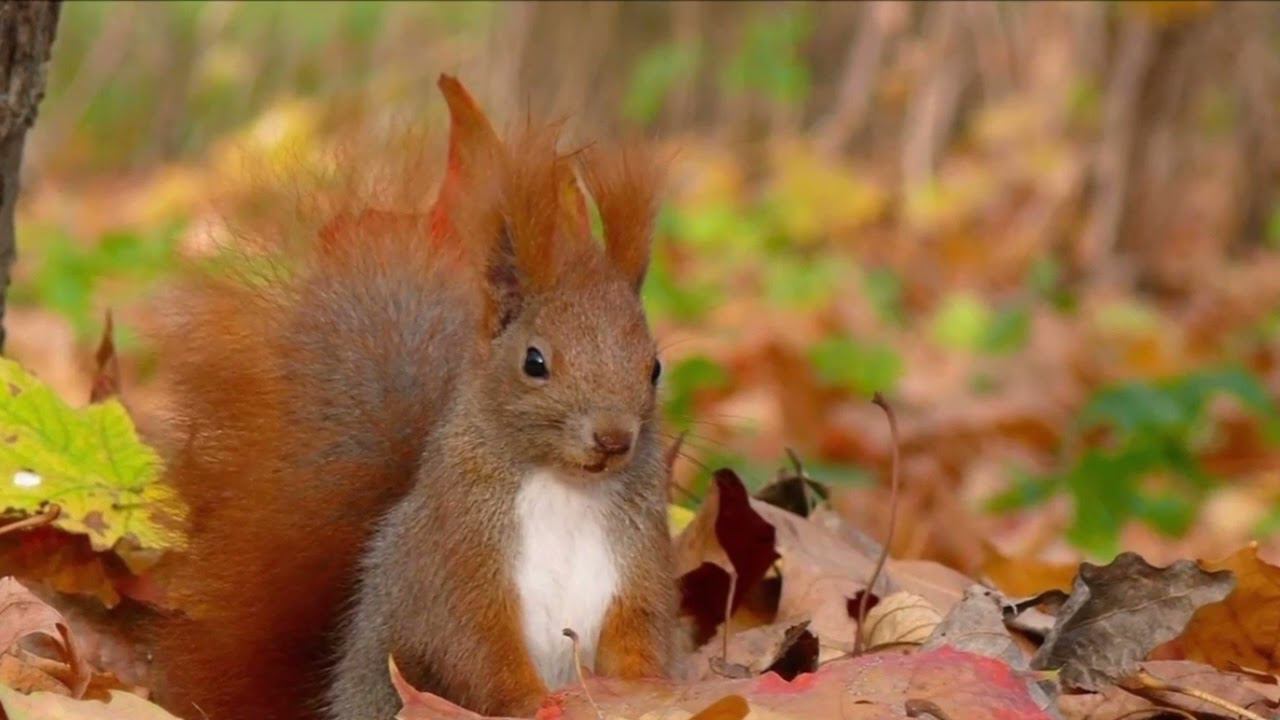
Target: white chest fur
[(565, 571)]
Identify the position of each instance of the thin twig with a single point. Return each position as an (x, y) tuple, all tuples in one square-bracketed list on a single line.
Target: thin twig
[(49, 514), (1151, 682), (728, 610), (879, 400), (1155, 711), (577, 667)]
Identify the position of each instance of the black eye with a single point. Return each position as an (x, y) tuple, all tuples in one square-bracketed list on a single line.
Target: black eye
[(535, 366), (657, 371)]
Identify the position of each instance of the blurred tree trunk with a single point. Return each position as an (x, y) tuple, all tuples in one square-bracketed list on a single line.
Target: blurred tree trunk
[(26, 40)]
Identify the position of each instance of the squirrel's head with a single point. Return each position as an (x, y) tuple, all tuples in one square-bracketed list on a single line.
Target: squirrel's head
[(569, 369)]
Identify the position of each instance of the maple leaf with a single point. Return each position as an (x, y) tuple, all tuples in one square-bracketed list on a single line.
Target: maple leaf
[(90, 463)]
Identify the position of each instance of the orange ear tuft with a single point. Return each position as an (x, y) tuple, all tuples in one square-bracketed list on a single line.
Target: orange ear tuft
[(474, 151), (625, 184)]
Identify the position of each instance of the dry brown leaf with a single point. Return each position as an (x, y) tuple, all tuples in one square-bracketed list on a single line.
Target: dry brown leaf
[(49, 706), (419, 705), (1026, 576), (977, 625), (1114, 702), (1118, 613), (727, 545), (22, 616), (1244, 629), (752, 651), (820, 572), (900, 618), (871, 687), (106, 376), (729, 707), (64, 562)]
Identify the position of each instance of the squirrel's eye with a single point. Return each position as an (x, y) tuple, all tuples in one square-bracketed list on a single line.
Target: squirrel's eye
[(657, 371), (535, 366)]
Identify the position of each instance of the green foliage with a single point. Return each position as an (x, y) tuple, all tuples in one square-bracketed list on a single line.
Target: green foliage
[(884, 289), (803, 283), (683, 382), (1153, 431), (1045, 282), (769, 61), (669, 296), (89, 462), (654, 76), (1273, 228), (964, 322), (849, 364), (70, 275)]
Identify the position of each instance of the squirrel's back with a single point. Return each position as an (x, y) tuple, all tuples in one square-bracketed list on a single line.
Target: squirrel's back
[(304, 386)]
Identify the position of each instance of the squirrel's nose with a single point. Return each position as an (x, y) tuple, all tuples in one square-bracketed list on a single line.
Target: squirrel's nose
[(612, 442)]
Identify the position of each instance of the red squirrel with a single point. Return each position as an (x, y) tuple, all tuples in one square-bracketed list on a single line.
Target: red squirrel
[(429, 437)]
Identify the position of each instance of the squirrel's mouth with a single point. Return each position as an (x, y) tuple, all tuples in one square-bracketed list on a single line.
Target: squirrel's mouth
[(596, 467)]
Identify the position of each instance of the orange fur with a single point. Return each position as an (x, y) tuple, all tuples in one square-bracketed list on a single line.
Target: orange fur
[(307, 382)]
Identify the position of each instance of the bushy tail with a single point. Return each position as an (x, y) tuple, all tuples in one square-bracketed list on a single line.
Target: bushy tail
[(306, 375)]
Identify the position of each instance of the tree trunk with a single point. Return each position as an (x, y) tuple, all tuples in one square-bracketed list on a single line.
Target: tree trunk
[(26, 39)]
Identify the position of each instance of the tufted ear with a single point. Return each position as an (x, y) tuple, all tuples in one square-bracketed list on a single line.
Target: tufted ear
[(474, 154), (625, 184)]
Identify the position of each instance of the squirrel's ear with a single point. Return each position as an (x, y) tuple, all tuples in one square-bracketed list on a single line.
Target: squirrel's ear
[(625, 184), (474, 152), (511, 219)]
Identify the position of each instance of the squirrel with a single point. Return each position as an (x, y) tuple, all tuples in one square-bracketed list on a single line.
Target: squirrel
[(428, 437)]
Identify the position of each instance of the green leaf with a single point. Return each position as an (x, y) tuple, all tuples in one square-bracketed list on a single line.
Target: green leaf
[(1008, 331), (851, 365), (689, 377), (962, 323), (884, 289), (654, 76), (89, 462)]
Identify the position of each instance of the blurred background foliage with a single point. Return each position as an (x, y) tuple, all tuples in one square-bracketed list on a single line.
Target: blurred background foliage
[(1049, 232)]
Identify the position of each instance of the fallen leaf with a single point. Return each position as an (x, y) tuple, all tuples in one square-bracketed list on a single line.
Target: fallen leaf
[(977, 625), (728, 544), (49, 706), (787, 650), (63, 561), (23, 615), (106, 376), (105, 480), (1025, 576), (419, 705), (1242, 630), (870, 687), (821, 571), (1114, 701), (1118, 613), (729, 707), (900, 618)]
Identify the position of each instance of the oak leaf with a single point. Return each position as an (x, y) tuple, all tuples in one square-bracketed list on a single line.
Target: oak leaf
[(1118, 613), (1242, 630)]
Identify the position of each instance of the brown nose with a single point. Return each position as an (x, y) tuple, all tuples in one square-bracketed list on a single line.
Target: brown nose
[(612, 442)]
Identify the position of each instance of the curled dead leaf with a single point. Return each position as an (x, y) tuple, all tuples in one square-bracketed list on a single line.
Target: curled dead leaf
[(1118, 613), (900, 618), (24, 616)]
